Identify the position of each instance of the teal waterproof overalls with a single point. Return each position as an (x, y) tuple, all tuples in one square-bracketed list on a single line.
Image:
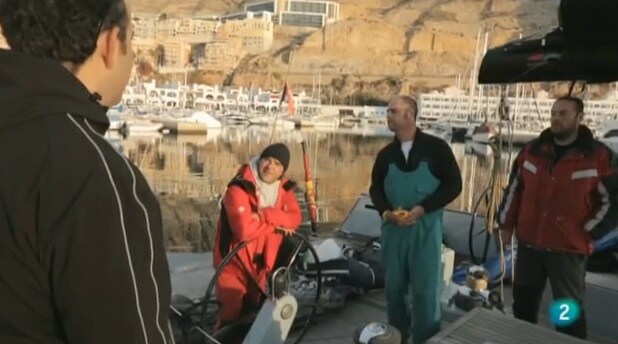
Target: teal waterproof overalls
[(412, 256)]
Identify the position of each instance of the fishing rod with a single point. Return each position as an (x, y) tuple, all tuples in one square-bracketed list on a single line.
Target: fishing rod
[(310, 191)]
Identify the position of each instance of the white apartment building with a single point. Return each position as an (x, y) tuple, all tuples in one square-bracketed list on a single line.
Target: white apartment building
[(255, 34), (305, 13)]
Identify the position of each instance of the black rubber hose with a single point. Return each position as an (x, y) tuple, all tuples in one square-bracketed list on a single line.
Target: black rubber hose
[(471, 229)]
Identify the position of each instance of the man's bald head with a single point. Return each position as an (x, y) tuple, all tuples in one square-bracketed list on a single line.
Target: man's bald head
[(401, 114), (409, 102)]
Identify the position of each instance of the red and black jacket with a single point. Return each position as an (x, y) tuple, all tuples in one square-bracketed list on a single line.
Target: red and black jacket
[(236, 223), (562, 205)]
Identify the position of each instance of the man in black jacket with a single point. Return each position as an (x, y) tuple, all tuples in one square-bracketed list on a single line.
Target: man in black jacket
[(81, 246)]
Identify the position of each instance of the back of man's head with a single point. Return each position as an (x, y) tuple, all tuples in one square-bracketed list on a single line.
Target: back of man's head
[(62, 30)]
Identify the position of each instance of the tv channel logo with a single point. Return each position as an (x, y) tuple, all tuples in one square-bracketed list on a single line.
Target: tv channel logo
[(564, 312)]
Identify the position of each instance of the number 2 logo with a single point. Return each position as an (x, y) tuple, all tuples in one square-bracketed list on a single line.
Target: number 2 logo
[(564, 312)]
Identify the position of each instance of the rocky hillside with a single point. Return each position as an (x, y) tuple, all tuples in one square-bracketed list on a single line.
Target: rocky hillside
[(185, 7), (378, 47)]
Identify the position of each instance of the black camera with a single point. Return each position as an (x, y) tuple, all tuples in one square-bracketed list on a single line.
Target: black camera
[(584, 48)]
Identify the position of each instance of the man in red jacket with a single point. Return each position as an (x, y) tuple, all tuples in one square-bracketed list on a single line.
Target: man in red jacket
[(562, 195), (258, 206)]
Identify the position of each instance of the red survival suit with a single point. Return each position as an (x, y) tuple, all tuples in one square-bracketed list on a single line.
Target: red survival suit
[(238, 223)]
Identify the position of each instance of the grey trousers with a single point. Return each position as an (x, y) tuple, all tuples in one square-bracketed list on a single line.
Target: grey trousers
[(566, 273)]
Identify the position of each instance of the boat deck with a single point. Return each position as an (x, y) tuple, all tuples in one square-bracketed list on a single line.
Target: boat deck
[(339, 327), (190, 273)]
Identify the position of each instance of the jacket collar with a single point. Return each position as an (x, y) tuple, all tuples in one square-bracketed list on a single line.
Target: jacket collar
[(418, 136), (247, 173), (584, 142)]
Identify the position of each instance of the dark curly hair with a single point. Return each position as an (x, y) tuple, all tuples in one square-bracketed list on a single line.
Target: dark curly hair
[(62, 30)]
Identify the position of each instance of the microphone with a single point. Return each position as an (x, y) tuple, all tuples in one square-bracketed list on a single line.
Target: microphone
[(96, 97)]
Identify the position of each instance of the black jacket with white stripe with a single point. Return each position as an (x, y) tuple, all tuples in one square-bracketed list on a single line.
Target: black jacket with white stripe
[(82, 258)]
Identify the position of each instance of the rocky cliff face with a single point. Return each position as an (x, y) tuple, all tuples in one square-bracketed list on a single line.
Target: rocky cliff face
[(380, 47)]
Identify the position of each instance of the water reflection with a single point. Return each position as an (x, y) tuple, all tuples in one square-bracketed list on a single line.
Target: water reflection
[(199, 167)]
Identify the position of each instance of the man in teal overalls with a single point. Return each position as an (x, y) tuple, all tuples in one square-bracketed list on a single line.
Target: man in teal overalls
[(416, 173)]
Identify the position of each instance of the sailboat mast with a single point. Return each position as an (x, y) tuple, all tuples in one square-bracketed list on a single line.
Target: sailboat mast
[(472, 86), (320, 86), (481, 87)]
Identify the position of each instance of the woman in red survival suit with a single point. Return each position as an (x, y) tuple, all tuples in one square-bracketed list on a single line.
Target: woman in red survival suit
[(259, 204)]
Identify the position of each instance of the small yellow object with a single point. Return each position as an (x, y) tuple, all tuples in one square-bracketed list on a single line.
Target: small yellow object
[(401, 213), (477, 284), (477, 281)]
